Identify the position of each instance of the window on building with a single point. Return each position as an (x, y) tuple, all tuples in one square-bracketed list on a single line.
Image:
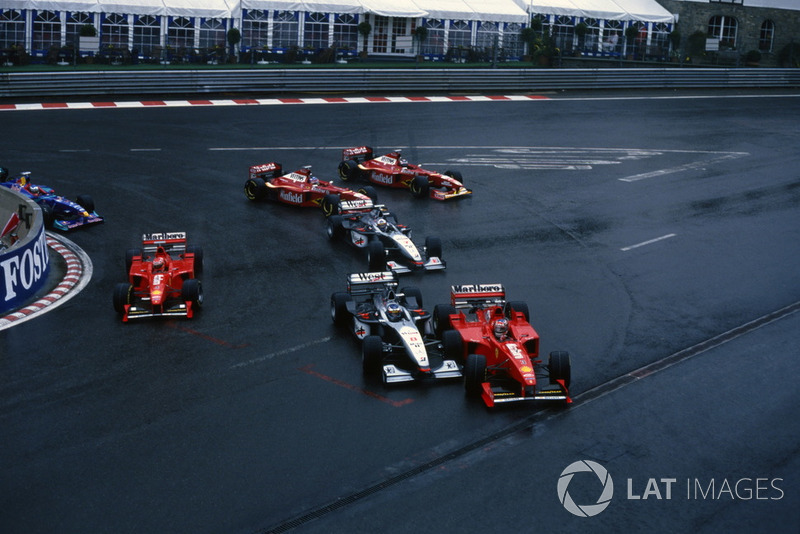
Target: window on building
[(12, 28), (315, 31), (723, 28), (766, 36), (460, 34), (212, 33), (115, 30), (488, 36), (146, 35), (592, 37), (255, 29), (659, 41), (434, 44), (285, 29), (612, 37), (180, 33), (512, 40), (563, 32), (46, 30), (74, 23), (345, 32), (380, 34)]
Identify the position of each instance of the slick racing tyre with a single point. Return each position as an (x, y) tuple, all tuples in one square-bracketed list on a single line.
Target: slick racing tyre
[(192, 291), (348, 170), (441, 318), (123, 295), (559, 367), (516, 306), (433, 247), (412, 297), (371, 355), (339, 313), (198, 258), (370, 192), (453, 345), (455, 175), (376, 256), (129, 255), (255, 189), (474, 374), (47, 215), (420, 186), (334, 227), (330, 205)]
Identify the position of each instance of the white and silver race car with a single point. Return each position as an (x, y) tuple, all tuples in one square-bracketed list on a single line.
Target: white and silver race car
[(395, 331), (388, 244)]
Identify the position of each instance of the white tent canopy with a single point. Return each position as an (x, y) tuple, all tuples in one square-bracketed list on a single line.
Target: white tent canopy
[(393, 8), (641, 10)]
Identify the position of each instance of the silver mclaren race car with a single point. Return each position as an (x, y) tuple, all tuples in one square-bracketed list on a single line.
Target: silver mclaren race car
[(388, 244), (395, 331)]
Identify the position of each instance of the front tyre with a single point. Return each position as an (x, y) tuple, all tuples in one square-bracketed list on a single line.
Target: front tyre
[(371, 355), (433, 247), (474, 374), (192, 291), (420, 186), (123, 295), (334, 227), (560, 367)]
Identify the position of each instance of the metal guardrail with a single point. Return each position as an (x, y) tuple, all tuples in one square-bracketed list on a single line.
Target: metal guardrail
[(390, 80)]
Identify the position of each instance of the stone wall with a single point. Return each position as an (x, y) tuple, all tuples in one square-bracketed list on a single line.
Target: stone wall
[(694, 16)]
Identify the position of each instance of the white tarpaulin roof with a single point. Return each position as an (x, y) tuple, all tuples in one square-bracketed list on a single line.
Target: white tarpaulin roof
[(394, 8), (644, 10), (498, 11)]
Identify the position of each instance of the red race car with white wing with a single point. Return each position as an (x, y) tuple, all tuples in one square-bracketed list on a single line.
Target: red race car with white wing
[(161, 278), (499, 347), (299, 188), (393, 170)]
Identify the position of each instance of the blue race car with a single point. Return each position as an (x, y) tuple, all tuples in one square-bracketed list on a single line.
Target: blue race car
[(59, 213)]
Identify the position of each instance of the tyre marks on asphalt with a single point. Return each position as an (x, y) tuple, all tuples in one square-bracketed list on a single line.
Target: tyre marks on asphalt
[(308, 369)]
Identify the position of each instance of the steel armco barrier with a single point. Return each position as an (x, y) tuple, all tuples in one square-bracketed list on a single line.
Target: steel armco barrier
[(390, 80)]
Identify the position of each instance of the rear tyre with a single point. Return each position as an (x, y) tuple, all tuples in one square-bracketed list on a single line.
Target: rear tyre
[(198, 258), (348, 170), (47, 215), (86, 202), (376, 256), (412, 296), (441, 319), (474, 374), (420, 186), (433, 247), (129, 255), (123, 295), (370, 191), (560, 367), (192, 291), (255, 189), (516, 306), (371, 355), (339, 313)]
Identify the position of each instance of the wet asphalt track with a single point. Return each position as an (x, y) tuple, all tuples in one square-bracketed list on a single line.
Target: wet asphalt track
[(635, 229)]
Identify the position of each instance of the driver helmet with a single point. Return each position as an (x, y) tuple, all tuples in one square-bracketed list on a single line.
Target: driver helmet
[(159, 263), (500, 327), (34, 189), (382, 224), (393, 311)]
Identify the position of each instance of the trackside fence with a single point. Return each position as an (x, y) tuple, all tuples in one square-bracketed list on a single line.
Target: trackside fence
[(366, 81)]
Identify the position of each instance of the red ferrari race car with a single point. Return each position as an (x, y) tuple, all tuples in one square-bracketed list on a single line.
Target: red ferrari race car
[(393, 170), (499, 347), (161, 278), (299, 188)]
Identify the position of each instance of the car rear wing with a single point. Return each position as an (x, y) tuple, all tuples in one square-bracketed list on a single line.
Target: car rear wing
[(169, 241), (359, 153), (266, 170), (368, 283), (355, 206), (477, 295)]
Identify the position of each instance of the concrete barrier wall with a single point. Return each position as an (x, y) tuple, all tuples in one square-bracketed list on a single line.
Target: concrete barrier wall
[(24, 266)]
